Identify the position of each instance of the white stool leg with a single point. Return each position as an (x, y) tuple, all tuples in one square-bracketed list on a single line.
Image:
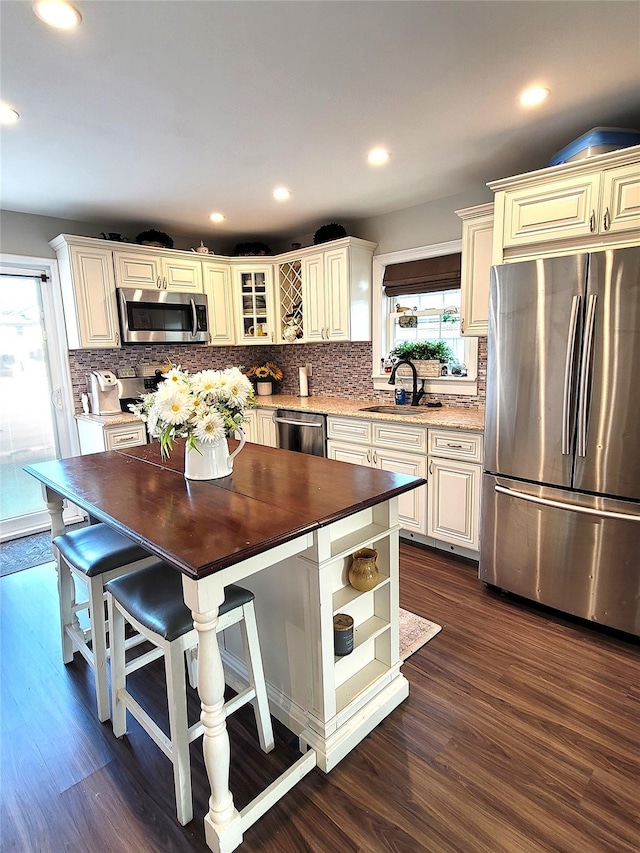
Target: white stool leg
[(118, 663), (179, 730), (99, 646), (66, 599), (253, 658)]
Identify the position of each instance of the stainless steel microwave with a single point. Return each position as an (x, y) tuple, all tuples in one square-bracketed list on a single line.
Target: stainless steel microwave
[(162, 316)]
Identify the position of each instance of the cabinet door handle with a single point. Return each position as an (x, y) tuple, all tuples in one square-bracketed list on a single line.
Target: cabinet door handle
[(165, 283), (159, 283), (375, 458), (369, 456), (118, 339), (462, 326), (457, 446), (607, 220), (431, 467), (592, 221)]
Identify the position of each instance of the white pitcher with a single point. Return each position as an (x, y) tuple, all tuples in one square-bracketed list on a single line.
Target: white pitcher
[(211, 460)]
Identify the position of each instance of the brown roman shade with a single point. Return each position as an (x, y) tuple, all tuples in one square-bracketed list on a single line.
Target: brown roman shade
[(423, 276)]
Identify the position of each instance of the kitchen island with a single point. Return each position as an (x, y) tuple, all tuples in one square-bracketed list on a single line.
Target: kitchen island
[(285, 525)]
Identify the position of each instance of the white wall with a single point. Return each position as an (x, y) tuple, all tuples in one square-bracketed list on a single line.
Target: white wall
[(422, 225)]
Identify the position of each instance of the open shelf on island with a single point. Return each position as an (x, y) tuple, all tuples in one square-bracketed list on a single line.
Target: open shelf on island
[(359, 682), (369, 630), (365, 537), (346, 594)]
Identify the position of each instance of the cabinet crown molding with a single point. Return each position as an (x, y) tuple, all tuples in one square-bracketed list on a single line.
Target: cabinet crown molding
[(153, 251), (621, 157)]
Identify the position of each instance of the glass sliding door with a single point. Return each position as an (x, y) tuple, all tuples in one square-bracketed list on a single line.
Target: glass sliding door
[(33, 418)]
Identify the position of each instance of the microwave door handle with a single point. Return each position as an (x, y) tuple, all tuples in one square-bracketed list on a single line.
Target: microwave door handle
[(585, 374), (194, 318), (568, 375)]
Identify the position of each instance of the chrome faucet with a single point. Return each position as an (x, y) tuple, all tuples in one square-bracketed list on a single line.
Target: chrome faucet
[(416, 395)]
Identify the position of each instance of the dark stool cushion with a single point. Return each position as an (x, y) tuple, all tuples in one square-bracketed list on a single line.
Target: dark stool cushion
[(153, 596), (98, 548)]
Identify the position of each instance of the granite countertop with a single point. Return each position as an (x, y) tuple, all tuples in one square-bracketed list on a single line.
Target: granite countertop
[(109, 420), (447, 417)]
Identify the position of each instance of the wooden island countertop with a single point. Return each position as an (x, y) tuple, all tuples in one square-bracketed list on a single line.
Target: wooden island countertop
[(201, 527)]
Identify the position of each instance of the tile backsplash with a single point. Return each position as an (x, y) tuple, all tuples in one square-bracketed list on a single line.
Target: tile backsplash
[(339, 369)]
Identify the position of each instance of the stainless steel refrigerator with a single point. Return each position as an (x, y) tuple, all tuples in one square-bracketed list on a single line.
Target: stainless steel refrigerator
[(561, 486)]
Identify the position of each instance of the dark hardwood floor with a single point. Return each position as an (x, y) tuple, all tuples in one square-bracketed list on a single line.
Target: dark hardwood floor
[(520, 735)]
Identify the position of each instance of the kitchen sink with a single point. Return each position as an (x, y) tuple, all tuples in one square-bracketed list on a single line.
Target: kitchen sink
[(393, 410)]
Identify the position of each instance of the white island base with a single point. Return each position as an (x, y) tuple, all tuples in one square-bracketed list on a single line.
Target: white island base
[(330, 702)]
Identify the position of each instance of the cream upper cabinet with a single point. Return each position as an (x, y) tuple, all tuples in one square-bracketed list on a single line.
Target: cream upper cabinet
[(477, 237), (218, 290), (313, 297), (158, 272), (254, 303), (586, 205), (88, 292), (336, 291)]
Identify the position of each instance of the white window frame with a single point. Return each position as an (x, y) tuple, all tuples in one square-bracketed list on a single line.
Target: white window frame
[(466, 386)]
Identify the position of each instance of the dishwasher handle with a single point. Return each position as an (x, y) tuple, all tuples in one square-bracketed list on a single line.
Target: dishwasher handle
[(298, 423)]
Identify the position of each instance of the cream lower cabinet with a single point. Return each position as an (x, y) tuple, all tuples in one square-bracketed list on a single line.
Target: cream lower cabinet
[(261, 427), (401, 449), (455, 474), (88, 293), (97, 434)]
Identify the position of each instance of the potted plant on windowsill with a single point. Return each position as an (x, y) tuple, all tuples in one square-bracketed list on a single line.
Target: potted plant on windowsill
[(427, 356), (264, 376)]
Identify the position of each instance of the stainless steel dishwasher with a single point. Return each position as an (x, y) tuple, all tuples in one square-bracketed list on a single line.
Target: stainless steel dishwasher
[(305, 432)]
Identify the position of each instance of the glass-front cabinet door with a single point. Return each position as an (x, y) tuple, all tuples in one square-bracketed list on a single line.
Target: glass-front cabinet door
[(254, 291)]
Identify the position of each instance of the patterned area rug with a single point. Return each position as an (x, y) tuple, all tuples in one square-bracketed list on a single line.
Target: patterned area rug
[(415, 632), (18, 554)]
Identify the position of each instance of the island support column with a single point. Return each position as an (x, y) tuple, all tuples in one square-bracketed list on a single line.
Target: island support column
[(223, 828)]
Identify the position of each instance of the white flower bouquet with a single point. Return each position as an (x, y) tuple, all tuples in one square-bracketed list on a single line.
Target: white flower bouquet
[(201, 407)]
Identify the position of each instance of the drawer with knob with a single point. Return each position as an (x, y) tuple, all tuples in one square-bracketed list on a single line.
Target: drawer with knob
[(455, 444)]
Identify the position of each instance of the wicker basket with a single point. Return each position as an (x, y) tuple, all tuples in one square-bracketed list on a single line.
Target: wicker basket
[(425, 369)]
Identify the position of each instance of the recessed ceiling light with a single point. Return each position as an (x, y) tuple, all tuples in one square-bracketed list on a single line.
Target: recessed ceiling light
[(378, 156), (533, 96), (7, 114), (216, 217), (281, 194), (57, 13)]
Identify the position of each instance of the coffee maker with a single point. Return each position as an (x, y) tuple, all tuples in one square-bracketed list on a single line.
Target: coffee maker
[(104, 392)]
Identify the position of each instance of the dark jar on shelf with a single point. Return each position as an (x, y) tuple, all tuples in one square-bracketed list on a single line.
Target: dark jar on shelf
[(342, 634)]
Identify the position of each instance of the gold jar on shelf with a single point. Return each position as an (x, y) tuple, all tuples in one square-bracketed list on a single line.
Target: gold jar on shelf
[(363, 572)]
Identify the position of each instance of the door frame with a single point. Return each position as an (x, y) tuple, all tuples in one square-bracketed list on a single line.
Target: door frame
[(60, 375)]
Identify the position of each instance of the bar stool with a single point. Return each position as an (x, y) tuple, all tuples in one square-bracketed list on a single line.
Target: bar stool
[(151, 601), (93, 555)]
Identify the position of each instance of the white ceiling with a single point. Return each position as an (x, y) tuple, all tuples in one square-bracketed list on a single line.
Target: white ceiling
[(161, 112)]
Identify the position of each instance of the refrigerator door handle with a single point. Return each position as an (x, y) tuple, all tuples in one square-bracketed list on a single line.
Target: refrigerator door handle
[(568, 375), (586, 510), (585, 374)]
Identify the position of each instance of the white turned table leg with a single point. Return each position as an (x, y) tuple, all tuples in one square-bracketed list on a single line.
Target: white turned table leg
[(223, 829), (55, 505)]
